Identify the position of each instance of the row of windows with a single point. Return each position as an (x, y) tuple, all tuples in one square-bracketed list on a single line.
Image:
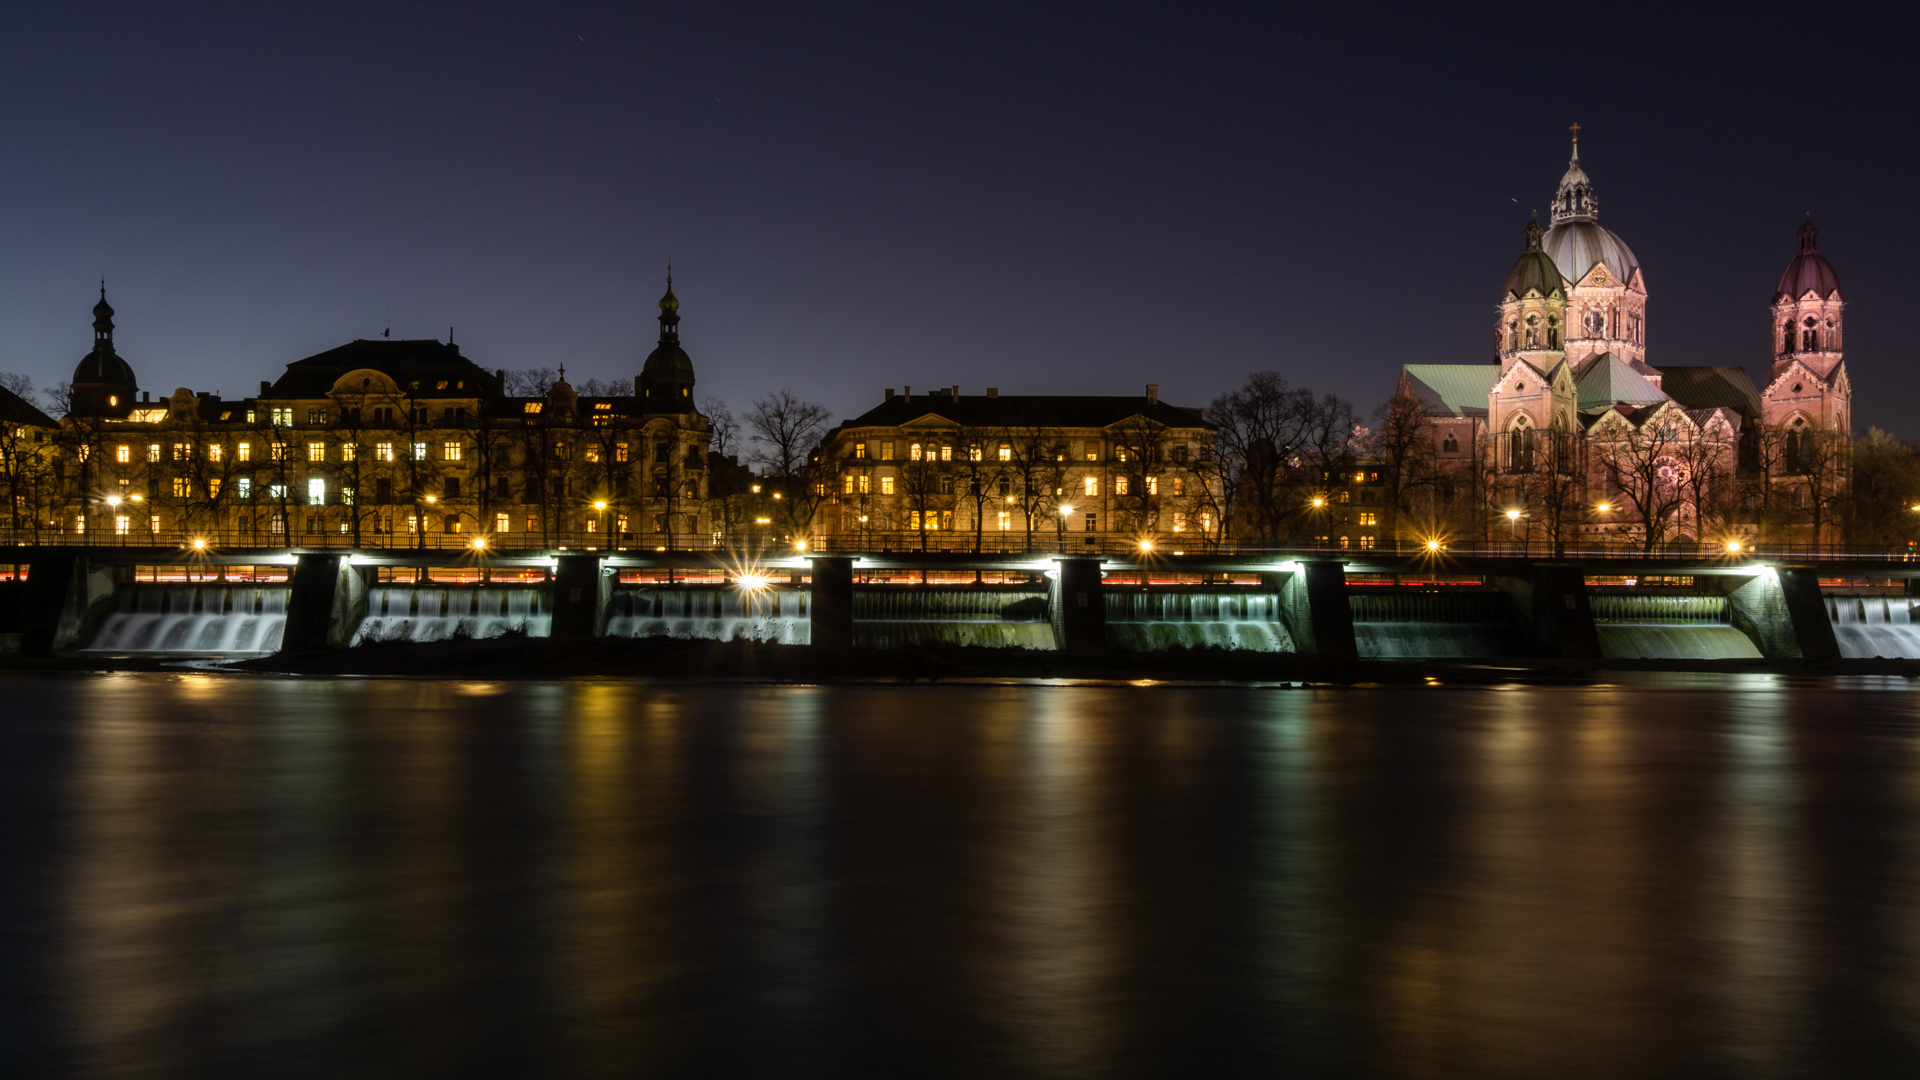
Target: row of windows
[(885, 450), (935, 520), (452, 450), (862, 484)]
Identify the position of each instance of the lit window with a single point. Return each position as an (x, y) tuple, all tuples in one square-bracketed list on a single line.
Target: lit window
[(283, 416), (974, 454), (450, 451), (886, 485), (619, 451), (886, 451), (532, 406), (1119, 486), (533, 523), (1093, 453), (182, 487), (1005, 521), (153, 451), (243, 452), (316, 491), (866, 484), (502, 523), (413, 524), (419, 451), (113, 400), (243, 487), (122, 524), (859, 450), (276, 491), (250, 416), (593, 455), (592, 525), (214, 451), (946, 453), (316, 451), (1179, 521), (383, 451), (123, 454), (1092, 484), (1153, 485), (1178, 483), (620, 524), (847, 485), (277, 451), (913, 452), (153, 523), (346, 496), (1006, 452), (316, 416), (346, 451)]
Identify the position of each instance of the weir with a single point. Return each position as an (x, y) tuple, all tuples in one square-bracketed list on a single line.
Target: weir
[(714, 612), (1870, 626), (195, 619), (448, 612), (1183, 617), (1669, 626), (1415, 624)]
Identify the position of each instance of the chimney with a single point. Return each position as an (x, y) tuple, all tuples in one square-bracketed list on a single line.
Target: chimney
[(265, 387), (889, 393), (1153, 393), (956, 392), (146, 398), (907, 392), (993, 391)]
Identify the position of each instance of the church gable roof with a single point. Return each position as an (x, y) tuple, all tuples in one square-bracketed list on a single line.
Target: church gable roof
[(1452, 389), (1609, 381), (1710, 387)]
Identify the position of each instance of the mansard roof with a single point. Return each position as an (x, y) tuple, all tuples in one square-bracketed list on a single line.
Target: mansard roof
[(16, 410), (426, 362), (1708, 387), (1609, 380), (1452, 389), (1032, 410)]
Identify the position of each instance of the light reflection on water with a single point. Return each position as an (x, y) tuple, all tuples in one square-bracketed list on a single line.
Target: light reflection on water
[(240, 877)]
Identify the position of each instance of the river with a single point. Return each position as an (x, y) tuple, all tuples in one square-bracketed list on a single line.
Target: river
[(211, 875)]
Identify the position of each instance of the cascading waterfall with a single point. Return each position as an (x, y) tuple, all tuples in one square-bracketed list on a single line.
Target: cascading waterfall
[(1164, 619), (443, 612), (895, 616), (1414, 625), (718, 613), (1870, 626), (205, 619), (1668, 627)]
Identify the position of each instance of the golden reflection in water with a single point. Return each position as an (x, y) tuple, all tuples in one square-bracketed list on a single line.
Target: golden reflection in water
[(1056, 893)]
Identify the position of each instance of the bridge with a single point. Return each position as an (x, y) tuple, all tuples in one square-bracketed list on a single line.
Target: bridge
[(55, 598)]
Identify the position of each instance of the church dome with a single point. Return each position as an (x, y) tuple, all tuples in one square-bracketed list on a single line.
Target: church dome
[(668, 359), (1534, 269), (1576, 247), (1809, 271), (103, 366)]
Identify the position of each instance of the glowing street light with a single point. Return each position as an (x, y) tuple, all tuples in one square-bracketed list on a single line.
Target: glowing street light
[(1604, 508), (600, 504), (1433, 545), (479, 543), (1065, 511), (1146, 545), (1318, 502), (113, 500), (199, 545), (1513, 515), (1733, 547), (751, 582), (799, 545)]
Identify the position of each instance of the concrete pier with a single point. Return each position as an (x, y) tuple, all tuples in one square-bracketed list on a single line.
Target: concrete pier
[(1079, 604), (580, 595), (830, 607)]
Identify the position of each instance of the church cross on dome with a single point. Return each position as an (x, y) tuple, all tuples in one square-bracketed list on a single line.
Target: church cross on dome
[(1576, 132)]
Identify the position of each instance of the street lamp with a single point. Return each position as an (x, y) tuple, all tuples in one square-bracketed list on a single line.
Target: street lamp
[(1733, 547), (1513, 527)]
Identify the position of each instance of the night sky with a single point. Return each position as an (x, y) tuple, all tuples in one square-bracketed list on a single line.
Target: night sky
[(1066, 200)]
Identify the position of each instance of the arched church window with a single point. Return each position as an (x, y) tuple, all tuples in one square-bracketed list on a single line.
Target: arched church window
[(1451, 445), (1520, 457), (1533, 331), (1513, 335), (1553, 332), (1809, 338)]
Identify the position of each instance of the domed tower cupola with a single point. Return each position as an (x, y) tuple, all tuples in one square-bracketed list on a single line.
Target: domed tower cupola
[(103, 384), (1533, 308), (1607, 294), (666, 381), (1807, 307)]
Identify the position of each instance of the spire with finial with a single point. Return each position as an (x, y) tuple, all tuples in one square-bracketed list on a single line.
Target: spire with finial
[(669, 312), (103, 320), (1534, 232), (1809, 236), (1575, 200)]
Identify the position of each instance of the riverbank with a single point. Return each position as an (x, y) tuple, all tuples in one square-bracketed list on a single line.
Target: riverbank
[(667, 658)]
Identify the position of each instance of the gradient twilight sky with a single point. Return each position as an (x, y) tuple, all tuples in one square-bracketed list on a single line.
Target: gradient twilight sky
[(1045, 199)]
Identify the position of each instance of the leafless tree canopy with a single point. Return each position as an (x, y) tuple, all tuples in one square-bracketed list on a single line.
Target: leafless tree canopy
[(726, 430), (21, 385), (1273, 441), (785, 431)]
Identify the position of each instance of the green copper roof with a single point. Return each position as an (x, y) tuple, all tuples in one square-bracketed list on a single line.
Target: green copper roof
[(1609, 381), (1712, 388), (1454, 389)]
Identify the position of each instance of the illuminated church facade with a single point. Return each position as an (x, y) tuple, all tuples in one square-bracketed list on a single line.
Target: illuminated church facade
[(1573, 432)]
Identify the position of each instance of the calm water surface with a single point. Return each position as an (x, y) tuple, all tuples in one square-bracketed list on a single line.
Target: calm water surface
[(218, 876)]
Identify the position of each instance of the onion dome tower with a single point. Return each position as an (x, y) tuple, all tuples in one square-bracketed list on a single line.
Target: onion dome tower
[(1533, 308), (1807, 307), (103, 384), (1808, 383), (1607, 295), (666, 381)]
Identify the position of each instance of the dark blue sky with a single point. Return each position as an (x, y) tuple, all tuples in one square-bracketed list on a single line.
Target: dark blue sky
[(1044, 200)]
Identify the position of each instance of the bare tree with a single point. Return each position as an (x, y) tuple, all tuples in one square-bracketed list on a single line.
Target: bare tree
[(726, 430), (1647, 463), (1401, 445), (786, 434), (1885, 487)]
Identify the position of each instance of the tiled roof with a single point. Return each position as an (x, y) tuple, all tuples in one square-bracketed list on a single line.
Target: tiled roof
[(1712, 388), (405, 361), (1035, 410), (1452, 389), (1608, 380), (15, 409)]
